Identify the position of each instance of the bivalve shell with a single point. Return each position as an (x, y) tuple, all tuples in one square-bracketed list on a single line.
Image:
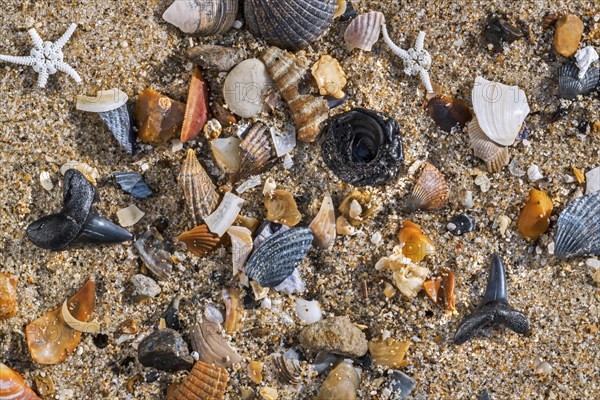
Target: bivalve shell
[(13, 386), (200, 241), (570, 85), (200, 192), (363, 32), (578, 228), (204, 382), (430, 192), (208, 341), (257, 152), (534, 219), (202, 17), (245, 88), (494, 155)]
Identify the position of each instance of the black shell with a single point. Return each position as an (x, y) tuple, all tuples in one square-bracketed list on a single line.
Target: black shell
[(363, 147), (578, 228), (133, 183), (570, 86), (119, 123)]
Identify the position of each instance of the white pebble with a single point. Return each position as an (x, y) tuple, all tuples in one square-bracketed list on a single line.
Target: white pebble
[(308, 312), (237, 24), (270, 186), (551, 248), (593, 263), (483, 182), (377, 238), (46, 181), (177, 146)]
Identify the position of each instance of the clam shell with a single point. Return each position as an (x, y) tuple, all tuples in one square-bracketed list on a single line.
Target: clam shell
[(133, 183), (534, 218), (234, 311), (13, 387), (246, 86), (494, 155), (199, 190), (578, 228), (282, 208), (323, 225), (289, 24), (224, 216), (196, 108), (363, 32), (570, 85), (278, 256), (153, 252), (341, 383), (200, 241), (205, 381), (241, 246), (389, 353), (202, 17), (208, 341), (8, 295), (257, 152), (500, 110), (430, 192)]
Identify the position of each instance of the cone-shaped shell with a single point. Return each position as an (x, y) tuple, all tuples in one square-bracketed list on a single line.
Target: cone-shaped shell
[(447, 112), (257, 153), (282, 208), (49, 338), (578, 228), (204, 382), (202, 17), (535, 215), (323, 225), (363, 32), (200, 192), (289, 24), (13, 387), (357, 208), (417, 246), (570, 85), (494, 155), (196, 108), (200, 241), (430, 192), (341, 383)]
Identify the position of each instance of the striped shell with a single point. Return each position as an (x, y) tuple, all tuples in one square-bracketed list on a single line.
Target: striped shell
[(278, 256), (430, 192), (202, 17), (578, 228), (13, 387), (204, 382), (494, 155), (133, 183), (289, 24), (257, 153), (363, 32), (200, 241), (200, 192), (569, 84)]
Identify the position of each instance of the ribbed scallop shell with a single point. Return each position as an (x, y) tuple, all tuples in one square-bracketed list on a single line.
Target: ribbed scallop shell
[(308, 111), (13, 387), (202, 17), (430, 192), (278, 256), (200, 241), (569, 84), (257, 153), (289, 24), (204, 382), (494, 155), (323, 225), (241, 246), (364, 31), (200, 192), (287, 366), (578, 228)]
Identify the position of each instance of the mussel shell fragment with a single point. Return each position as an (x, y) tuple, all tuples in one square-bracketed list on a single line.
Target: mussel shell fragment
[(578, 231), (570, 85), (447, 112), (363, 147), (133, 183)]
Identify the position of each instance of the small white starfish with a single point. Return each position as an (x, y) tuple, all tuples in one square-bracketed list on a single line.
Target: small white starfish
[(417, 61), (46, 57)]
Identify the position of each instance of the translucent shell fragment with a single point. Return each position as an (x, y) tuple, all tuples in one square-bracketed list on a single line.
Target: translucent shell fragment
[(416, 246), (8, 295), (389, 353), (323, 225), (535, 215)]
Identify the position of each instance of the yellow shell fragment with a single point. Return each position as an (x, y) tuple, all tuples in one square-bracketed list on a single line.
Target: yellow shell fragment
[(74, 323), (389, 353), (330, 77), (255, 371), (234, 311), (416, 245), (535, 215), (357, 207), (282, 208)]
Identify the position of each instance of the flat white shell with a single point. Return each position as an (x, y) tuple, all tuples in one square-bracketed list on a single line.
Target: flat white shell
[(105, 100), (500, 110), (308, 312), (592, 180), (129, 216), (184, 15), (245, 87), (223, 217)]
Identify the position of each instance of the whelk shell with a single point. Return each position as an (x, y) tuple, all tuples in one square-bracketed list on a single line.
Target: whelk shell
[(225, 215), (416, 245), (323, 225), (430, 192), (234, 311), (578, 228), (257, 152), (282, 208), (200, 241), (241, 246), (8, 295), (288, 367), (364, 31), (289, 24), (500, 110), (308, 111), (357, 207), (494, 155), (200, 192), (13, 386), (202, 17), (196, 108), (389, 353), (341, 383), (447, 112), (570, 85), (204, 382), (208, 341), (534, 219), (158, 117)]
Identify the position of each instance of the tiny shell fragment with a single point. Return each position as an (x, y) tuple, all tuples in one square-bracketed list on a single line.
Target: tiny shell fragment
[(241, 246), (281, 208), (223, 217), (323, 225), (389, 353), (226, 152), (90, 173), (130, 215), (204, 382), (330, 77), (46, 181), (255, 371), (8, 295)]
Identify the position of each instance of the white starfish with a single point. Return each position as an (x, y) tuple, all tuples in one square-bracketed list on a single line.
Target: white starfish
[(46, 57), (417, 61)]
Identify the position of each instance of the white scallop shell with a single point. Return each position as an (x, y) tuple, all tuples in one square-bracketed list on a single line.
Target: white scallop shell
[(223, 217), (364, 31), (500, 110)]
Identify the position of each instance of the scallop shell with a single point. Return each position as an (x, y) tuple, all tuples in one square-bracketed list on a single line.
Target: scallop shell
[(288, 367), (200, 192), (308, 111), (241, 246), (8, 295), (323, 225), (133, 183), (494, 156), (257, 153), (196, 108), (13, 387), (205, 381), (282, 208), (202, 17), (363, 32), (225, 215), (357, 207), (278, 256), (200, 241), (234, 311), (389, 353), (341, 383), (448, 112), (534, 218), (417, 246), (208, 341), (289, 24), (500, 110), (430, 192), (578, 228), (570, 85)]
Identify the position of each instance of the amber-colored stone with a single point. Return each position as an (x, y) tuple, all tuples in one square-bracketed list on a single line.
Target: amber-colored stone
[(158, 117), (234, 310), (568, 33), (535, 215), (416, 245), (8, 295)]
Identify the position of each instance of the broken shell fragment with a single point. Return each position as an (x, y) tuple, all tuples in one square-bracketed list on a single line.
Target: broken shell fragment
[(8, 295), (241, 246), (200, 241), (257, 153), (567, 34), (90, 173), (389, 353), (130, 215), (200, 192), (153, 252), (134, 184), (288, 367), (255, 371), (225, 215), (208, 341), (341, 383), (245, 88), (357, 207), (158, 117), (498, 32), (416, 245), (226, 152), (408, 277), (214, 57), (571, 85), (46, 181), (234, 311), (448, 112), (430, 192), (49, 338), (13, 386), (282, 208), (363, 32), (441, 290), (330, 77), (534, 219), (196, 108), (205, 381), (343, 227), (323, 225), (494, 155), (578, 228), (201, 17)]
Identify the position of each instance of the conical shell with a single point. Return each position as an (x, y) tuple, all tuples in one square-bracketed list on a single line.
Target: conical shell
[(417, 246), (389, 353), (202, 17), (278, 256), (257, 153), (133, 183), (578, 228), (500, 110), (364, 31), (430, 192), (13, 387), (204, 382), (200, 241), (357, 207), (308, 111), (494, 155), (200, 192), (241, 246), (534, 219), (323, 225), (289, 24), (8, 295), (196, 108), (569, 84), (282, 208)]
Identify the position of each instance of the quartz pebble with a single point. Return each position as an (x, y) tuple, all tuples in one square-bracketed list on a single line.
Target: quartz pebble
[(46, 181), (568, 33), (336, 335), (165, 350), (144, 288)]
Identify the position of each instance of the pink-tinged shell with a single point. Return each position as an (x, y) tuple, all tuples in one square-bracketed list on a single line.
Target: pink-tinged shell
[(13, 387), (494, 155), (196, 108), (430, 192), (200, 192), (364, 31)]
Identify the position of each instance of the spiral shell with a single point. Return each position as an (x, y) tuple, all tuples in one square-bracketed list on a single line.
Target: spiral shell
[(200, 192), (202, 17), (13, 387), (430, 192), (578, 228), (205, 381), (200, 241), (535, 215), (364, 31), (494, 155)]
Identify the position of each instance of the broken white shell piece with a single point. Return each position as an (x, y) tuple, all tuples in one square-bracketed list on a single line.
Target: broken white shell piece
[(226, 152), (105, 100), (592, 180), (292, 284), (90, 173), (223, 217), (270, 186), (288, 161), (251, 183), (46, 181), (308, 312), (534, 173), (129, 216), (241, 246), (284, 141), (584, 59)]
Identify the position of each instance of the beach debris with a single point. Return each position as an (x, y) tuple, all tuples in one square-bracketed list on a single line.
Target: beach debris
[(144, 288), (199, 190), (542, 368), (226, 153), (408, 277), (448, 112), (246, 86), (196, 107), (200, 241), (205, 381), (415, 245), (13, 386), (207, 339), (234, 310), (357, 207), (592, 178), (90, 173), (171, 315), (584, 59), (134, 184), (341, 383), (129, 215), (165, 350), (158, 117), (494, 155), (216, 58), (441, 290), (154, 254), (578, 175), (389, 353), (8, 295), (534, 218), (323, 225), (571, 85), (493, 309), (430, 192), (308, 312), (498, 31), (461, 224), (401, 384), (225, 215), (268, 393), (330, 76), (287, 366), (202, 17), (567, 35), (282, 208), (363, 32), (46, 181), (285, 141), (255, 371), (291, 284), (257, 152), (578, 228), (336, 335), (241, 247)]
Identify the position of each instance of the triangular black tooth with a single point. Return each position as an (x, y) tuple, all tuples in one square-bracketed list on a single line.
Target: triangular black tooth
[(99, 229), (496, 287)]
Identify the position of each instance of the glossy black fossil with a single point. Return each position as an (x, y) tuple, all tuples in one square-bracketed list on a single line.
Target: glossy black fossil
[(498, 31), (363, 147)]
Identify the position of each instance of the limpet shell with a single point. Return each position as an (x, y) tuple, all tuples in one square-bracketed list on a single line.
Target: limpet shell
[(200, 241), (363, 32), (202, 17), (578, 228), (13, 386), (357, 207), (430, 192), (205, 381), (534, 218), (416, 246), (282, 208), (494, 155), (199, 190)]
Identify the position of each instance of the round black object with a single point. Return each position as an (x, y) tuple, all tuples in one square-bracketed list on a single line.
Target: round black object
[(363, 147)]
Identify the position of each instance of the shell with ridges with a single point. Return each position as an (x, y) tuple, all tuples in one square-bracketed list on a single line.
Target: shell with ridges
[(430, 192), (282, 208), (13, 387), (578, 228), (202, 17), (257, 153), (323, 225), (200, 192), (241, 246), (288, 366), (570, 85), (200, 241), (225, 215), (234, 310), (134, 184), (534, 218), (363, 32), (205, 381), (494, 155), (196, 107)]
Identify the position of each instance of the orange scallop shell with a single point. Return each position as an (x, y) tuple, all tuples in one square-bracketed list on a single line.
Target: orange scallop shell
[(416, 245), (204, 382), (430, 192), (13, 387), (535, 215), (200, 241)]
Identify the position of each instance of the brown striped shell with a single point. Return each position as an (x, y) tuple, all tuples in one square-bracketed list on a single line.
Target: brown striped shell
[(200, 241), (257, 153), (204, 382), (494, 155), (202, 17), (13, 387), (200, 192), (430, 192), (363, 32)]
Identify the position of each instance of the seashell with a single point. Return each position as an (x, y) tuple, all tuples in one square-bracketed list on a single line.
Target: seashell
[(593, 180), (341, 383), (281, 208), (389, 353), (357, 207), (158, 117), (578, 228), (289, 24), (249, 184), (224, 216), (285, 141), (152, 250), (46, 181), (8, 295), (494, 155), (342, 6), (267, 229), (401, 385), (584, 58), (268, 393), (246, 86), (199, 190), (343, 227), (432, 288), (257, 153), (13, 386), (111, 106), (330, 77), (364, 31), (447, 112), (430, 191), (363, 147), (323, 225), (208, 341), (133, 183), (535, 215), (234, 310), (278, 256), (241, 246), (200, 241), (247, 222), (226, 152), (214, 57), (292, 284), (570, 85), (205, 381), (202, 17), (46, 348), (196, 108), (308, 111), (497, 32), (308, 312), (500, 110), (287, 366), (130, 215), (409, 279), (441, 290), (416, 245), (255, 371), (90, 173)]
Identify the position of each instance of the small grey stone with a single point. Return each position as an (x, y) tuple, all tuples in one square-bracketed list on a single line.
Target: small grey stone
[(144, 288), (219, 58), (335, 335), (165, 350)]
